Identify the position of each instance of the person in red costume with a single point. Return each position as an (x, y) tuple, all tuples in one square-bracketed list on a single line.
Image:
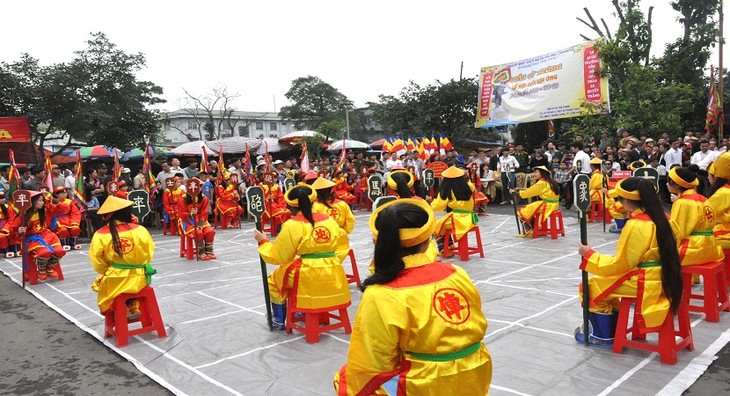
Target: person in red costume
[(7, 233), (42, 246), (342, 189), (123, 190), (227, 201), (274, 199), (64, 219), (193, 219), (170, 198)]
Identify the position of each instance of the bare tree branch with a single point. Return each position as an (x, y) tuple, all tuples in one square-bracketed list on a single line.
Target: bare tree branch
[(605, 26)]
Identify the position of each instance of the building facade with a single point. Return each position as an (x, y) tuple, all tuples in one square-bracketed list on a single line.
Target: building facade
[(185, 125)]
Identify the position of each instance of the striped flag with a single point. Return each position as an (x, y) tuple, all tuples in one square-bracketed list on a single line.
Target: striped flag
[(714, 105), (78, 194), (14, 175), (304, 159), (49, 173), (204, 167), (116, 170), (222, 171), (341, 164), (150, 186), (248, 165)]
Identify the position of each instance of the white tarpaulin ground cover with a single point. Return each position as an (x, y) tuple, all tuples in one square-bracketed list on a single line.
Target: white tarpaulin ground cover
[(218, 342)]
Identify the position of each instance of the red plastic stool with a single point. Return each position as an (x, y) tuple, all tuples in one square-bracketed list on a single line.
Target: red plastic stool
[(313, 319), (595, 212), (355, 276), (187, 247), (463, 248), (552, 226), (30, 272), (715, 295), (274, 223), (727, 265), (117, 325), (170, 228), (668, 345)]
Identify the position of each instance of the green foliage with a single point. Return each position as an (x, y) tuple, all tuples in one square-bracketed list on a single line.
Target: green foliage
[(440, 108), (333, 129), (94, 98), (314, 102)]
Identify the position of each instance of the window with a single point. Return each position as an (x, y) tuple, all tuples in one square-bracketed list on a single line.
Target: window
[(242, 131), (192, 125), (283, 125), (272, 126), (259, 126)]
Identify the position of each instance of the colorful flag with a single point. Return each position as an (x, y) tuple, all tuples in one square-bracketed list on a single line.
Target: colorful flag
[(304, 159), (387, 145), (267, 159), (714, 105), (446, 143), (248, 165), (49, 172), (221, 164), (398, 147), (550, 127), (14, 175), (410, 146), (204, 167), (150, 186), (422, 153), (116, 169), (78, 194), (341, 164)]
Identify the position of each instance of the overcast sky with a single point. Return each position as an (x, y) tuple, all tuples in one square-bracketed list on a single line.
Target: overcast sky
[(362, 48)]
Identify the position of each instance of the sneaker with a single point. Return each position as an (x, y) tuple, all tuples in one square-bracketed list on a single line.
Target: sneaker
[(614, 230), (278, 326), (51, 273), (504, 203)]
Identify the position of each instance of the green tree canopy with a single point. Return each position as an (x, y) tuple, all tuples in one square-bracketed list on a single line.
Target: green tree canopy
[(95, 97), (314, 103)]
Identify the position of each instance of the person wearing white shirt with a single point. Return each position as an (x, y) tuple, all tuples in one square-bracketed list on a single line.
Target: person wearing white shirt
[(507, 166), (673, 155), (70, 182), (392, 161), (582, 156), (703, 157)]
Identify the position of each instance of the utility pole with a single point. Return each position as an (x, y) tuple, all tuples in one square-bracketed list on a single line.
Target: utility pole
[(347, 120), (721, 41), (461, 71)]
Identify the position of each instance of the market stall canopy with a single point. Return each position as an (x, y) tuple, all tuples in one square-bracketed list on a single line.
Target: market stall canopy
[(349, 144), (137, 153), (273, 145), (298, 136), (378, 143), (98, 151), (234, 145), (194, 148)]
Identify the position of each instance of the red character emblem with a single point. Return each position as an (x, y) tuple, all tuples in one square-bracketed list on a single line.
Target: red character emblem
[(333, 213), (451, 305), (127, 245), (709, 214), (321, 234)]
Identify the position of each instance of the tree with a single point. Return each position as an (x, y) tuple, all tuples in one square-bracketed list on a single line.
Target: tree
[(213, 113), (94, 98), (314, 103)]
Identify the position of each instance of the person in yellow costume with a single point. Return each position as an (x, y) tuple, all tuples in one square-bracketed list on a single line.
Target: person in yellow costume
[(337, 209), (719, 201), (693, 219), (420, 325), (535, 213), (400, 182), (646, 266), (121, 252), (304, 250), (455, 195), (616, 210), (598, 181)]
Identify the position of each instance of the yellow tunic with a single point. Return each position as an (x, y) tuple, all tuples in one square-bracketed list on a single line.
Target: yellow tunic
[(138, 248), (616, 209), (623, 276), (543, 208), (340, 212), (431, 308), (720, 204), (461, 211), (596, 185), (693, 221), (317, 282)]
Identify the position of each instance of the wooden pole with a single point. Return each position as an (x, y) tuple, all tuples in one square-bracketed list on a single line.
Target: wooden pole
[(721, 74)]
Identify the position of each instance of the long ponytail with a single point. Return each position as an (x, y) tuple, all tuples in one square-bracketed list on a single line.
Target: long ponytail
[(671, 264), (389, 251), (125, 216), (401, 181), (301, 194)]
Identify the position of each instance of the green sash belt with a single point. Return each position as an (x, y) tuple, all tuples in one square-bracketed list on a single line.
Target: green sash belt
[(318, 255), (648, 264), (148, 270), (447, 357), (474, 217), (703, 233), (554, 201)]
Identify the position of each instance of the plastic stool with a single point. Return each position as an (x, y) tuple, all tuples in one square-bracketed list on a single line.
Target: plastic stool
[(117, 325), (595, 212), (463, 248), (727, 265), (355, 276), (714, 296), (31, 271), (170, 228), (187, 247), (668, 345), (313, 318), (274, 223), (552, 226)]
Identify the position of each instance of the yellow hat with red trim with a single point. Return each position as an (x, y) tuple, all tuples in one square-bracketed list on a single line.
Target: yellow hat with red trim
[(408, 236), (322, 183), (293, 202), (113, 204), (392, 183), (453, 173)]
